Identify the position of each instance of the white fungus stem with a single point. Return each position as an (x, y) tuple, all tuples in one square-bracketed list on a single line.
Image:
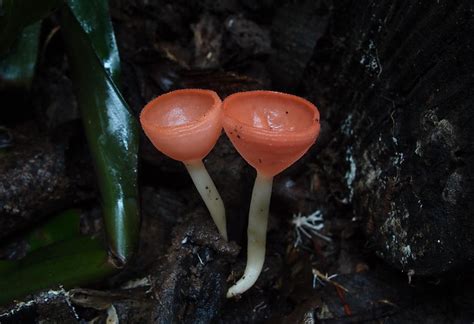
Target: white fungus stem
[(256, 235), (209, 194)]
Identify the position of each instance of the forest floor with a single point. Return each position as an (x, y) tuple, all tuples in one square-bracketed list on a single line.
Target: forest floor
[(183, 268)]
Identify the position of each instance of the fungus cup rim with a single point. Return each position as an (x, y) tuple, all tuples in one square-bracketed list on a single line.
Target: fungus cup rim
[(265, 135), (214, 109)]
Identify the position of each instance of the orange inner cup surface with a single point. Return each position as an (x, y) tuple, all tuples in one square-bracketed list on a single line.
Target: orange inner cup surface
[(271, 130), (183, 124), (179, 109), (272, 112)]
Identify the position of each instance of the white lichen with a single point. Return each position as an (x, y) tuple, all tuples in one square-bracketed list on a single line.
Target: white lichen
[(370, 59), (419, 148), (398, 240), (410, 275), (398, 159), (406, 251), (351, 173), (346, 126), (346, 129), (372, 172), (308, 226), (444, 133), (453, 188)]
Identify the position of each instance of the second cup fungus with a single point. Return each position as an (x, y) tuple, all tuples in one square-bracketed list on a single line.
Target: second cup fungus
[(185, 125), (271, 131)]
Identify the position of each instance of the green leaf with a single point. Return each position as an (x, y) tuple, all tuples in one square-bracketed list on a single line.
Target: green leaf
[(7, 266), (72, 263), (111, 129), (93, 16), (18, 66), (59, 228), (112, 134), (58, 249), (17, 14)]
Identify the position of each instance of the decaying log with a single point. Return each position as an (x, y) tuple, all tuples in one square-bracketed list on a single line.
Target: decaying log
[(296, 29), (396, 79)]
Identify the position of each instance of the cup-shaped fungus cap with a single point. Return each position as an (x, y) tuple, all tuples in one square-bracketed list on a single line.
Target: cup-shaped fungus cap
[(271, 130), (183, 124)]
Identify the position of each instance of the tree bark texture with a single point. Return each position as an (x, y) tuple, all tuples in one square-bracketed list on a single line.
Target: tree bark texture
[(395, 81)]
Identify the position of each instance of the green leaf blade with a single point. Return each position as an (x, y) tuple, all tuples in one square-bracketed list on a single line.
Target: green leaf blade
[(18, 66), (111, 129)]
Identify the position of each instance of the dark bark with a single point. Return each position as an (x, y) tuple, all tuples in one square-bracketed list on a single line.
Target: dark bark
[(397, 83), (296, 29)]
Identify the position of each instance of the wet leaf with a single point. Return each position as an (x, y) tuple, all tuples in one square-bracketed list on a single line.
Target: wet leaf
[(18, 66), (61, 227), (7, 266), (69, 263), (111, 129), (112, 133), (15, 15)]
